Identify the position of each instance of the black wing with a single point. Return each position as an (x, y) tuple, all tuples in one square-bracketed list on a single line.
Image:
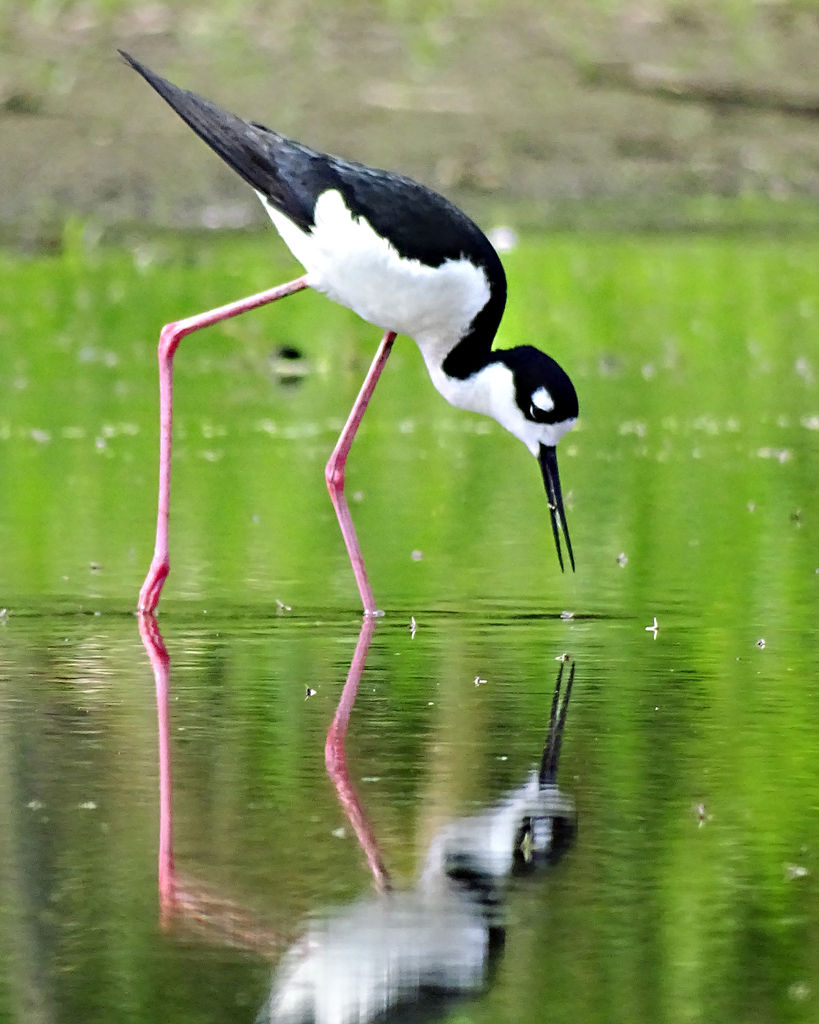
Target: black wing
[(418, 222)]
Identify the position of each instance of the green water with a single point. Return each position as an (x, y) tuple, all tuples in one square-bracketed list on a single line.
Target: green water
[(690, 891)]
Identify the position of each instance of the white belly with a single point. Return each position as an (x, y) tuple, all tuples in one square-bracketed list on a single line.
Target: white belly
[(347, 261)]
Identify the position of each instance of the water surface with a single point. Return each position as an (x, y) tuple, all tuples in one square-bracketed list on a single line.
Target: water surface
[(688, 891)]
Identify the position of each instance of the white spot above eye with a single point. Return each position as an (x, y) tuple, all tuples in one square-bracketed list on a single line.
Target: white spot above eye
[(543, 400)]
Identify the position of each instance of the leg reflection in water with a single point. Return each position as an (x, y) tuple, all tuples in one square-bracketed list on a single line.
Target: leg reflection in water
[(398, 947), (184, 899)]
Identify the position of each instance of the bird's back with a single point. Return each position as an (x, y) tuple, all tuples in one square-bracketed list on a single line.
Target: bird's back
[(416, 223)]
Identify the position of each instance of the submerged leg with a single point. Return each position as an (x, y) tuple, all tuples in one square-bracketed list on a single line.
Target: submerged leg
[(334, 472), (169, 340)]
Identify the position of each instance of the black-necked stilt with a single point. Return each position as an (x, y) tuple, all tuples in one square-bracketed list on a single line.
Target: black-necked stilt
[(404, 259)]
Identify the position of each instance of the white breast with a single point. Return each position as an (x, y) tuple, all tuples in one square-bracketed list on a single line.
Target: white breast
[(354, 266)]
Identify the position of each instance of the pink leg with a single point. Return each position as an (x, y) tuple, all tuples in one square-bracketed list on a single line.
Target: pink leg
[(335, 760), (169, 340), (334, 472)]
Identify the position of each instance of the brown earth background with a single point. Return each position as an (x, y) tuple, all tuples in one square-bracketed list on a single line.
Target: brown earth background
[(642, 115)]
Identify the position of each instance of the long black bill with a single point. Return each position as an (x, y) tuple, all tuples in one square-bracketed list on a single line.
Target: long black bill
[(551, 478)]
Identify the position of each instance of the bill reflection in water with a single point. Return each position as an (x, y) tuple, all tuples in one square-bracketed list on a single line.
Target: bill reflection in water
[(436, 940)]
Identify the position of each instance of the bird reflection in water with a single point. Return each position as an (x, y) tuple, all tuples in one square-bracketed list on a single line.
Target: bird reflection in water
[(396, 948)]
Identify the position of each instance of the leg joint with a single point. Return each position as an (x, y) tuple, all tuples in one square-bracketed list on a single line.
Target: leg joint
[(334, 474), (169, 338)]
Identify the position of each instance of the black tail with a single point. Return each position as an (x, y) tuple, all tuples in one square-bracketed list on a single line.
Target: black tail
[(256, 153)]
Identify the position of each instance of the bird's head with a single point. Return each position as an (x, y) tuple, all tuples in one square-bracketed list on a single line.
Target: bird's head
[(542, 408)]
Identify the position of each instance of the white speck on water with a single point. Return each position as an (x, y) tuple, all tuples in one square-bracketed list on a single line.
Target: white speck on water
[(804, 369), (622, 559), (793, 871), (112, 430), (211, 430), (566, 615), (40, 436), (417, 555), (87, 805), (90, 354), (297, 432), (799, 991), (780, 454), (707, 425)]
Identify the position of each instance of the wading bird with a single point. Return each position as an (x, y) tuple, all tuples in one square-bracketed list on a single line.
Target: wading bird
[(404, 259)]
